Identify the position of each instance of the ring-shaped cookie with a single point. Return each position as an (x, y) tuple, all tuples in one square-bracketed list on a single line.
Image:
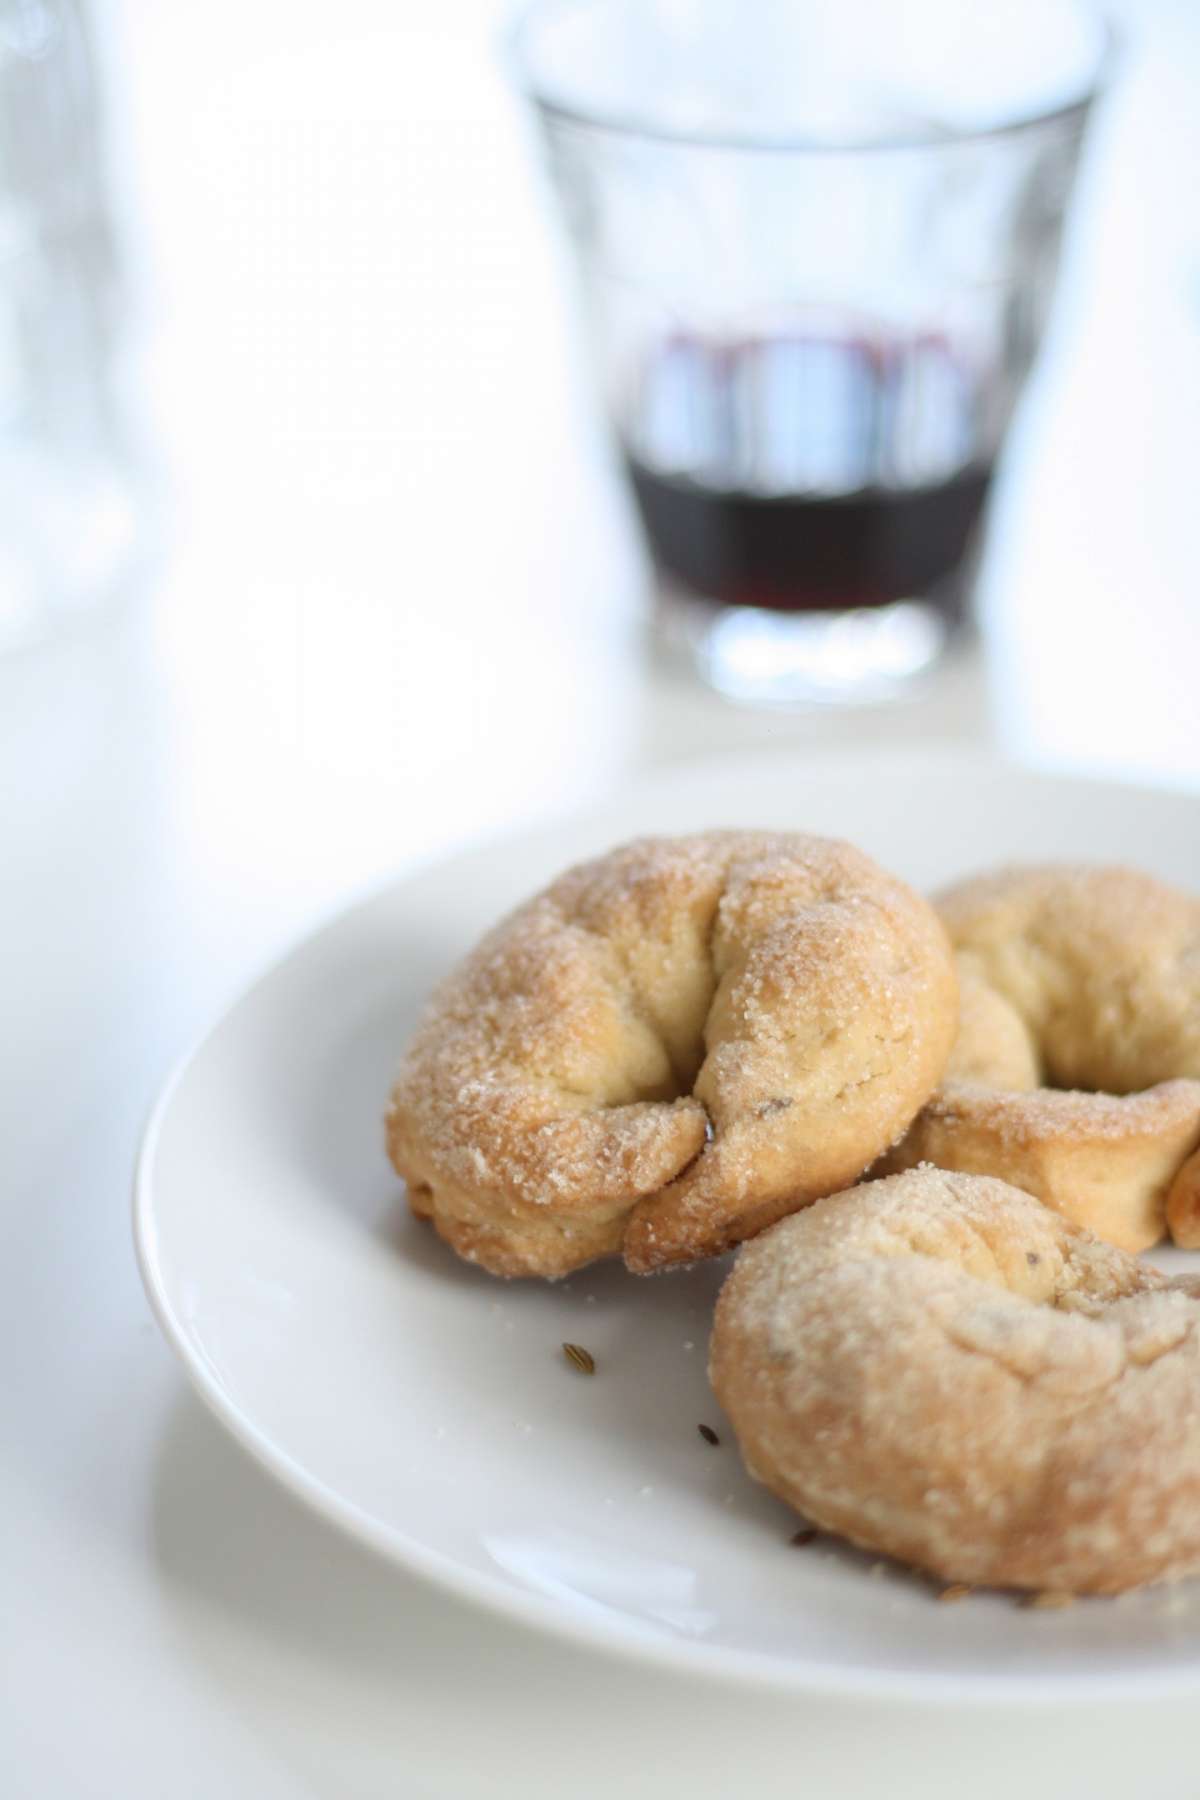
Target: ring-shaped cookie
[(941, 1368), (1076, 1071), (669, 1049)]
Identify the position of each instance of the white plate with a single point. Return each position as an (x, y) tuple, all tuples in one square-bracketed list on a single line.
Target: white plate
[(427, 1408)]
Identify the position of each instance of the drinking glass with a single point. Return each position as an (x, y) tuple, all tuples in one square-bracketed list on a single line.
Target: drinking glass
[(816, 242), (71, 499)]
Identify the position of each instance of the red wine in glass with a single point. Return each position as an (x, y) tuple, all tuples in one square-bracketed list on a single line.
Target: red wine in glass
[(811, 474)]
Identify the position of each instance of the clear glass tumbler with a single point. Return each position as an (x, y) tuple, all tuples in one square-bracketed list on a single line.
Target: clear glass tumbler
[(71, 486), (817, 240)]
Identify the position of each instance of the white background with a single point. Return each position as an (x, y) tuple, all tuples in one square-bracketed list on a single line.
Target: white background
[(396, 606)]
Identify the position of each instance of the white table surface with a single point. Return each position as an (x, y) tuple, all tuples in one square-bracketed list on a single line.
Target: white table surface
[(396, 608)]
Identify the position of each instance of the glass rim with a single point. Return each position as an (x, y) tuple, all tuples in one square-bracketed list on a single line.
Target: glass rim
[(519, 63)]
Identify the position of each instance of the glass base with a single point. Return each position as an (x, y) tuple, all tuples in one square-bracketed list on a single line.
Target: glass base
[(764, 658)]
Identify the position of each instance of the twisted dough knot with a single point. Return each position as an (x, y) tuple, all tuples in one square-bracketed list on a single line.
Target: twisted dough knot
[(939, 1367), (1075, 979), (669, 1049)]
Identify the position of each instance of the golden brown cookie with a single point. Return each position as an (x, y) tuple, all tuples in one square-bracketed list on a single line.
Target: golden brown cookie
[(941, 1368), (669, 1049), (1076, 1071)]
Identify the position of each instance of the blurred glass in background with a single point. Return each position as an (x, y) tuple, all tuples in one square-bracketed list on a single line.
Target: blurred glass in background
[(817, 244), (69, 487)]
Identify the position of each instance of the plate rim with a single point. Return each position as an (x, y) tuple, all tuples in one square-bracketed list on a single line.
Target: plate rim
[(680, 1656)]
